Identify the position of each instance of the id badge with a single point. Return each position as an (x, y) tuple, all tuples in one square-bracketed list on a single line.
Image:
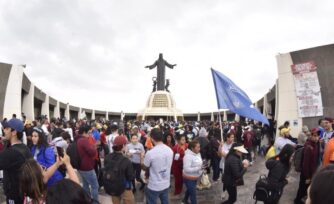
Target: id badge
[(177, 156)]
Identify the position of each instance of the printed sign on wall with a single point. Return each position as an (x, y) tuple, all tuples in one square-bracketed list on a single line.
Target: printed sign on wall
[(308, 92)]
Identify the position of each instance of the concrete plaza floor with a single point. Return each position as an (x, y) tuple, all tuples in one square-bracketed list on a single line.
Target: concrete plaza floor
[(245, 193), (212, 195)]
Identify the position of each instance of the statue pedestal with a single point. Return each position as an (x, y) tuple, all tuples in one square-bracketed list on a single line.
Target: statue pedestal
[(160, 104)]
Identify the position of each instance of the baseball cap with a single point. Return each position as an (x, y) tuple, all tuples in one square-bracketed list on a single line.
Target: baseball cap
[(329, 119), (14, 124), (120, 140), (315, 130)]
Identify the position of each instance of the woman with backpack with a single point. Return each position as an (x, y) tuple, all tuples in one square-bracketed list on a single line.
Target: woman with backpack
[(234, 170), (44, 154), (279, 167)]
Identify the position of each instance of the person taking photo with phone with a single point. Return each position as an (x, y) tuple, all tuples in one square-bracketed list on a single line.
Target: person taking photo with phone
[(44, 154)]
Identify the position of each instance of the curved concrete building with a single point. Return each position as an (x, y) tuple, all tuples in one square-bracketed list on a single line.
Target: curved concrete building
[(297, 96)]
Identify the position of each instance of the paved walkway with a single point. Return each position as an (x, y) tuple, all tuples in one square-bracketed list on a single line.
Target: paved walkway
[(245, 193), (212, 195)]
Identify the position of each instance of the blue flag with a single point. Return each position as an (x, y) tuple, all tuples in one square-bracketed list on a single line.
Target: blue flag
[(230, 96)]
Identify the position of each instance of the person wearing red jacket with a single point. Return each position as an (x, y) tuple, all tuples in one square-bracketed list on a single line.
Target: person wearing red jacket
[(87, 153), (310, 164), (177, 166), (248, 143)]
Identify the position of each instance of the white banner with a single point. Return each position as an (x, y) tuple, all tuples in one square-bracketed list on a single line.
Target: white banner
[(307, 90)]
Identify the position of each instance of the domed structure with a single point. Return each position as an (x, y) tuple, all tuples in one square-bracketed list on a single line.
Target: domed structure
[(160, 104)]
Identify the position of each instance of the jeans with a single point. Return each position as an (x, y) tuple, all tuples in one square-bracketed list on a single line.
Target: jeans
[(137, 171), (152, 196), (89, 179), (215, 168), (232, 194), (191, 191)]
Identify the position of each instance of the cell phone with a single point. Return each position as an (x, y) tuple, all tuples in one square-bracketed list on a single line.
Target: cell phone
[(60, 151)]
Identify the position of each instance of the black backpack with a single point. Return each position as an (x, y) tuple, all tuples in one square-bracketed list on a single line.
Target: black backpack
[(298, 159), (72, 152), (114, 180), (262, 190)]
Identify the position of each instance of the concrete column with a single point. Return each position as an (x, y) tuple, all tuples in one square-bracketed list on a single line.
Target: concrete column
[(79, 114), (57, 111), (46, 107), (107, 116), (93, 115), (198, 116), (225, 116), (287, 101), (122, 115), (267, 109), (12, 102), (212, 117), (237, 118), (276, 100), (28, 103), (67, 112)]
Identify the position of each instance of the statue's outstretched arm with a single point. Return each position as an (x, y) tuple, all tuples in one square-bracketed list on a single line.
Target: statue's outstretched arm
[(152, 66), (169, 65)]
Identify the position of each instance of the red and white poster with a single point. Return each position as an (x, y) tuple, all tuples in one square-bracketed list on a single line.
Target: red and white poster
[(307, 89)]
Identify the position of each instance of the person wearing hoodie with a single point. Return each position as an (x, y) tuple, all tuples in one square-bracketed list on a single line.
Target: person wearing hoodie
[(192, 170), (310, 163)]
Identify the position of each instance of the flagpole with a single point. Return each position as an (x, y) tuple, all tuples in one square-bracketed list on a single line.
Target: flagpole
[(221, 126)]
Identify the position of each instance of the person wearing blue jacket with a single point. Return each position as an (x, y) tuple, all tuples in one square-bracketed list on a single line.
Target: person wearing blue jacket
[(44, 154)]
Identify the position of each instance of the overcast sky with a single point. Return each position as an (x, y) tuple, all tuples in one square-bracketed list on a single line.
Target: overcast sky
[(92, 53)]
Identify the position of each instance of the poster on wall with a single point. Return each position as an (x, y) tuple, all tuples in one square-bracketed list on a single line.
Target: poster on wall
[(308, 92)]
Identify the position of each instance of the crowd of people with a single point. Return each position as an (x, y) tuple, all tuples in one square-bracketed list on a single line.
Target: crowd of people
[(44, 159)]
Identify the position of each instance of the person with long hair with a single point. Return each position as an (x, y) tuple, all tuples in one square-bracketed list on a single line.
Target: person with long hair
[(177, 166), (33, 178), (279, 167), (44, 154), (234, 170), (192, 170)]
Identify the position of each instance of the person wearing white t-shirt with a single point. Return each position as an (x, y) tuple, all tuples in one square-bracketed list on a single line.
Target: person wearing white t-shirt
[(111, 137), (159, 162)]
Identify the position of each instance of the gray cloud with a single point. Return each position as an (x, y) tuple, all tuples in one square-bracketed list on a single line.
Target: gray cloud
[(93, 53)]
